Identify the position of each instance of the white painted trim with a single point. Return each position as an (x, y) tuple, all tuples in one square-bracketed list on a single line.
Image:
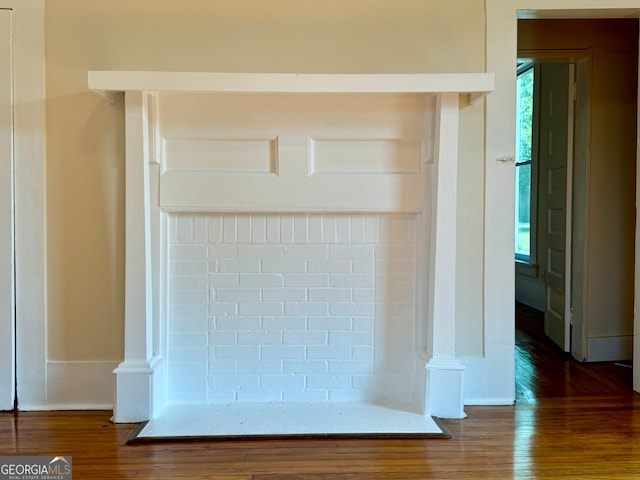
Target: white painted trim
[(369, 162), (214, 192), (444, 372), (80, 385), (443, 226), (7, 246), (576, 8), (445, 386), (29, 197), (491, 376), (107, 82), (137, 384), (490, 402), (135, 376), (480, 381)]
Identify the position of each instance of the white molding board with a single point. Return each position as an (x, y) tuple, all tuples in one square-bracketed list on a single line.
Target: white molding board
[(254, 153), (108, 82), (7, 247), (29, 125), (479, 381), (80, 385), (203, 192), (492, 376)]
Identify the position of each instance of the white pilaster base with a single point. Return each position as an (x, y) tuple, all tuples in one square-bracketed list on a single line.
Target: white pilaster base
[(137, 398), (444, 392)]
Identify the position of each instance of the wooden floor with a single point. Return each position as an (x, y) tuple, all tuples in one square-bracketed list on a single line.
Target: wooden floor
[(571, 421)]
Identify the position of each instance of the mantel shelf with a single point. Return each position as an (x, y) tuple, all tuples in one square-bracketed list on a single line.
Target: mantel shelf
[(107, 83)]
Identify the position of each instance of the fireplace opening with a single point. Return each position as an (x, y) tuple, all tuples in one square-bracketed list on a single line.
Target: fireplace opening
[(292, 308)]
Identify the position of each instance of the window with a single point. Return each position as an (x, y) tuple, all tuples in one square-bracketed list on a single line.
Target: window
[(524, 228)]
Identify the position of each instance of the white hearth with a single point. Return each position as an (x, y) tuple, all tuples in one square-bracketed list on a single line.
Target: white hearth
[(290, 242)]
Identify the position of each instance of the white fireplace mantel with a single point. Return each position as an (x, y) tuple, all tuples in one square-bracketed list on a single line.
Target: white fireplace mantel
[(427, 189), (107, 83)]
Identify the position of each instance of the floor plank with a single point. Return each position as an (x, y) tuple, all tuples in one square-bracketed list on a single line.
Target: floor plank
[(570, 421)]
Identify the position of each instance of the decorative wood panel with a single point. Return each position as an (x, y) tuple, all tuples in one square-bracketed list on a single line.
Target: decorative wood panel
[(276, 152), (334, 157), (250, 155)]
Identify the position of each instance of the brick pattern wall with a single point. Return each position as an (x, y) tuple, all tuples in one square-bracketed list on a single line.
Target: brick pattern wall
[(291, 308)]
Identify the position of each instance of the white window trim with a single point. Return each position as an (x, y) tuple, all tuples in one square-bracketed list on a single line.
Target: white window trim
[(533, 251)]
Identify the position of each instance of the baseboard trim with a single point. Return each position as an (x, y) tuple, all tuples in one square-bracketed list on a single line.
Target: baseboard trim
[(67, 407), (493, 402), (490, 380), (610, 349), (79, 386)]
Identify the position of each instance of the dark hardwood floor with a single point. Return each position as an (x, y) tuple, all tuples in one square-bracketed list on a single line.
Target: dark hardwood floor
[(544, 371), (571, 421)]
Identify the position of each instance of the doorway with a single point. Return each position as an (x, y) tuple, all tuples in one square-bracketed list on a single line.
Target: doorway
[(586, 288), (544, 159)]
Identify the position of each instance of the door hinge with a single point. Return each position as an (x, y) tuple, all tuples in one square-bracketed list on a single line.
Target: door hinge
[(574, 87)]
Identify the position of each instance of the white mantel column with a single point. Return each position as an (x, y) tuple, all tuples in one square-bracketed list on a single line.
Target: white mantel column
[(134, 376), (444, 372)]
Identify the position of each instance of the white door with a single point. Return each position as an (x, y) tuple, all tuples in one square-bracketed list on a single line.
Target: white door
[(555, 147), (7, 302)]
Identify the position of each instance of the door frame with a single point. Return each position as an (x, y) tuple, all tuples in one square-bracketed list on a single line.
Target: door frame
[(29, 198), (7, 257), (499, 275)]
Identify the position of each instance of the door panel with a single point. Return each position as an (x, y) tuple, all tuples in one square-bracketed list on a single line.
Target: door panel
[(7, 302), (554, 150)]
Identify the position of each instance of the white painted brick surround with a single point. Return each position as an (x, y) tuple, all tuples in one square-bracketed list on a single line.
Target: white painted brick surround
[(291, 307)]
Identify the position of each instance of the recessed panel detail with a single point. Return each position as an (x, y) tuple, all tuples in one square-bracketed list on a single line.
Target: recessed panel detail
[(556, 221), (223, 155), (396, 156)]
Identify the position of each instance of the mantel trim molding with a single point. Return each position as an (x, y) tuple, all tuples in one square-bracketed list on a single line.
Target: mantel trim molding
[(108, 83)]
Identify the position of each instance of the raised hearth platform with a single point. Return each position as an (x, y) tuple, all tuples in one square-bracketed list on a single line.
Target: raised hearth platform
[(222, 421)]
